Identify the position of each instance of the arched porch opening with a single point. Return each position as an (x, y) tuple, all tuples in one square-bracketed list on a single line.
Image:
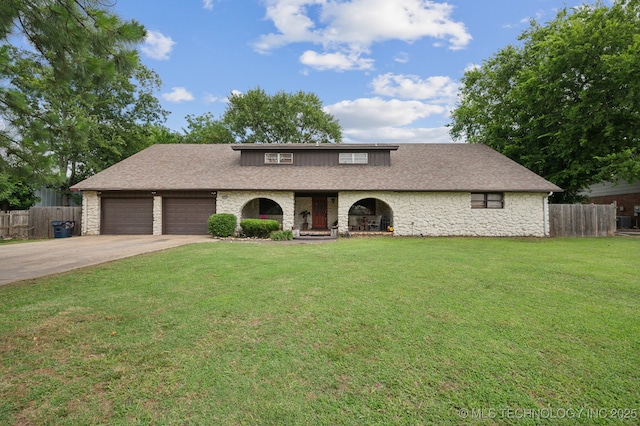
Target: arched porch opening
[(262, 208), (370, 215)]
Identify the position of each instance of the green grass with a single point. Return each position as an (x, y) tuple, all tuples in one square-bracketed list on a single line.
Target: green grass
[(361, 331), (15, 241)]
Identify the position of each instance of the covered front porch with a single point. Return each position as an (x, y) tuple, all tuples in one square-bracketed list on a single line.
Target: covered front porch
[(319, 213)]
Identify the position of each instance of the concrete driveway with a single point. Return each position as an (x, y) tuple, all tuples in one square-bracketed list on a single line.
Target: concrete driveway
[(41, 258)]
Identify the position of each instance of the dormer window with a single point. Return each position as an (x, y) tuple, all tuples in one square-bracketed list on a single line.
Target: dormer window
[(278, 158), (354, 158)]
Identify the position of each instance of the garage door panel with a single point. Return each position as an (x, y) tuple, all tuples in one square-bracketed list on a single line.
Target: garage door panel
[(127, 216), (187, 216)]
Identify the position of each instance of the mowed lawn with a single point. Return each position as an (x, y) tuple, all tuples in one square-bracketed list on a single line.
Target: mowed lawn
[(375, 331)]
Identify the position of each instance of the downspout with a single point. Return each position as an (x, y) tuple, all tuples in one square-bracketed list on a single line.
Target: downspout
[(545, 212)]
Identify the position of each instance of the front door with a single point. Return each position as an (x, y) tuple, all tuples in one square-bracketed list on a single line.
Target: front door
[(319, 219)]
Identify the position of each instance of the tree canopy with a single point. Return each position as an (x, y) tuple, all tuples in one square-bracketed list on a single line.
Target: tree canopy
[(74, 97), (206, 129), (566, 102), (256, 117)]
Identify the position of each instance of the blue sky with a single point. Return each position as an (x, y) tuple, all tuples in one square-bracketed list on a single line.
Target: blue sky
[(388, 70)]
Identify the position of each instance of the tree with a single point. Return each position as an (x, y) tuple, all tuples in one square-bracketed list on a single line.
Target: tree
[(161, 134), (16, 193), (205, 129), (74, 97), (255, 117), (566, 103)]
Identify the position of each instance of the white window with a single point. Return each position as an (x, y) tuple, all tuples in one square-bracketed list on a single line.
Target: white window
[(278, 158), (354, 158)]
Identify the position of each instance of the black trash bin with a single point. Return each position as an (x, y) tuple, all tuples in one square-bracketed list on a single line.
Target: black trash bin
[(63, 228)]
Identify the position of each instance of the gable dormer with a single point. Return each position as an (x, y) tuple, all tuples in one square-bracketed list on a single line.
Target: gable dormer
[(343, 155)]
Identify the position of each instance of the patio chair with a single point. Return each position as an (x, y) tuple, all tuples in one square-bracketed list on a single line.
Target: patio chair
[(374, 223)]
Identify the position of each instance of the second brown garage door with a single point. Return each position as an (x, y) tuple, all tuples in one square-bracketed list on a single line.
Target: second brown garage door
[(187, 216)]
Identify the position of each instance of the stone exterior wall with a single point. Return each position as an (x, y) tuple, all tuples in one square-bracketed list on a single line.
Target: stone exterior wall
[(234, 202), (90, 213), (450, 214), (157, 215), (413, 213)]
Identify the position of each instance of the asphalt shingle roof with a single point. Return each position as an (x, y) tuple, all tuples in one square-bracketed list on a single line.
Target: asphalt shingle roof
[(414, 167)]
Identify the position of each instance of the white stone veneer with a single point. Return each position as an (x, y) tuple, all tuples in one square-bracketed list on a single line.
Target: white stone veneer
[(450, 214), (414, 213), (157, 215), (234, 201), (90, 213)]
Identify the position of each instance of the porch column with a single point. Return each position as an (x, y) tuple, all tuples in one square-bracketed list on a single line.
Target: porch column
[(157, 215), (90, 213)]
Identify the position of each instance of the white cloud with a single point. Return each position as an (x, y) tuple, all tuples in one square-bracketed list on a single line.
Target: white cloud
[(357, 24), (438, 89), (211, 99), (398, 135), (472, 67), (157, 45), (377, 120), (335, 61), (402, 58), (207, 4), (376, 112), (178, 94), (366, 21)]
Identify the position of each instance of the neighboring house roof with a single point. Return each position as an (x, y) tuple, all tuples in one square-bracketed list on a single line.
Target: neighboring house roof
[(414, 167), (610, 188)]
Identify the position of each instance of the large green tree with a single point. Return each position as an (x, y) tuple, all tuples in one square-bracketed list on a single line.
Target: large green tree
[(256, 117), (206, 129), (566, 102), (74, 97)]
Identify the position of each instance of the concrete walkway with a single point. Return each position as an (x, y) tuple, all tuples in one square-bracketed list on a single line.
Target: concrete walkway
[(41, 258)]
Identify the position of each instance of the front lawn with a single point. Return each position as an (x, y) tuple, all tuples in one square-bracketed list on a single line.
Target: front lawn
[(361, 331)]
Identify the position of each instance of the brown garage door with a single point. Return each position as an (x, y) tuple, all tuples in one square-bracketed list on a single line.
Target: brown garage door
[(187, 216), (127, 216)]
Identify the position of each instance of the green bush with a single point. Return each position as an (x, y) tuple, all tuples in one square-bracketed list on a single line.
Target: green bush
[(259, 228), (222, 224), (282, 235)]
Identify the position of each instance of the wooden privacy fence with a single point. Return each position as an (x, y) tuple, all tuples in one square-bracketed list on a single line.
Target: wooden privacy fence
[(40, 219), (36, 222), (582, 220), (14, 224)]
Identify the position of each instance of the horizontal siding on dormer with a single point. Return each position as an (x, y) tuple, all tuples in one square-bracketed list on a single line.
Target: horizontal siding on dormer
[(314, 158)]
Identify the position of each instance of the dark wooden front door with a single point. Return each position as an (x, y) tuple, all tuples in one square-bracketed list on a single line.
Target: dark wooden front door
[(319, 216)]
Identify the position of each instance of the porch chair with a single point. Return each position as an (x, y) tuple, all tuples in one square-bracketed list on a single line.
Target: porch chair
[(374, 223)]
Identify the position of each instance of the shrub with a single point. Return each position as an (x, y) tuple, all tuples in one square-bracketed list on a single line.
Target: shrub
[(222, 224), (259, 228), (281, 235)]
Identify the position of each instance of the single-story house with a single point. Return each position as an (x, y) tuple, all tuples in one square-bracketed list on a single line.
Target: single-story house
[(406, 189), (626, 196)]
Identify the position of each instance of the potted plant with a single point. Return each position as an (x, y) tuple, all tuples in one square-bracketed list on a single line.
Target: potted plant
[(305, 214)]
